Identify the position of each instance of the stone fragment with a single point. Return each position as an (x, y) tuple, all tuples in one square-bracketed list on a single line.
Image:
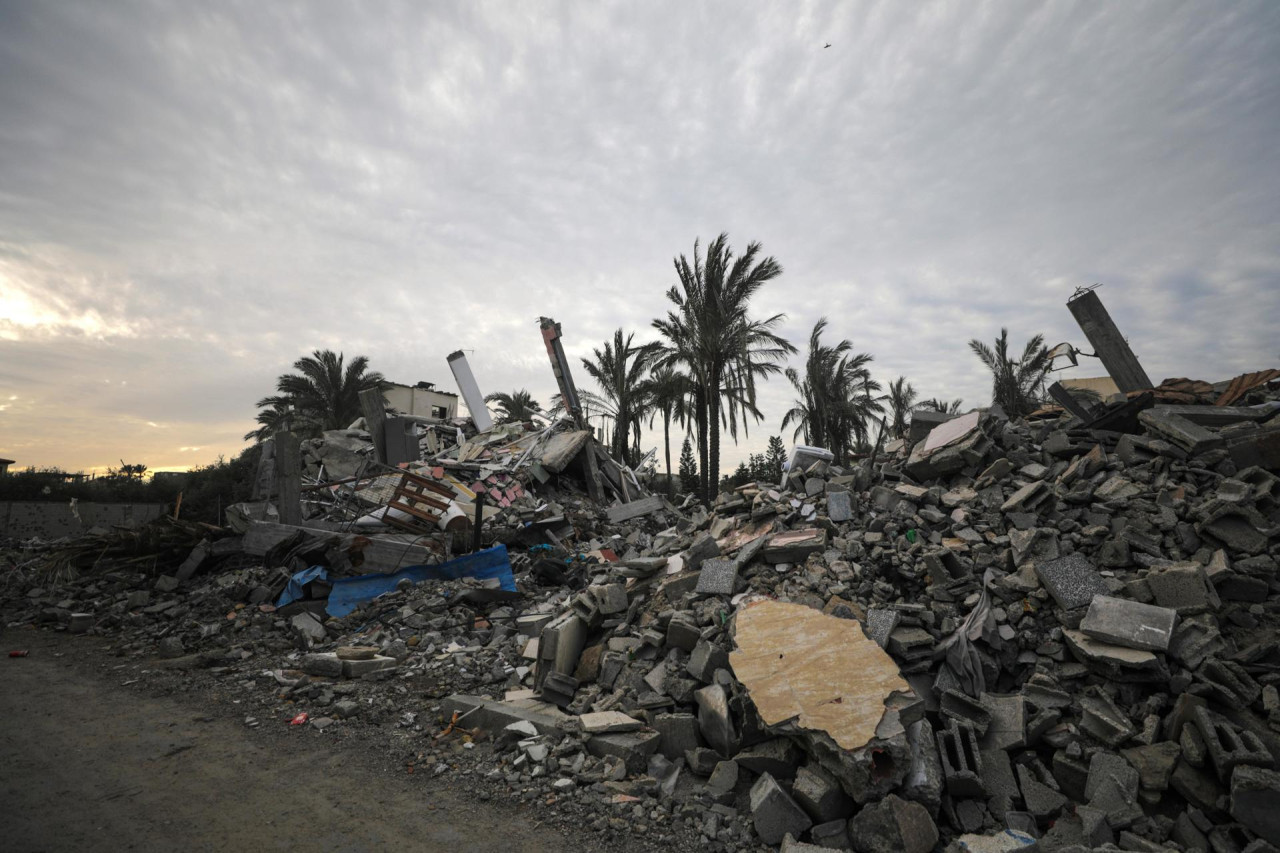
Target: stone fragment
[(702, 549), (361, 668), (309, 626), (893, 825), (1184, 588), (634, 748), (1104, 721), (1071, 580), (713, 719), (79, 623), (724, 778), (814, 671), (171, 647), (707, 657), (774, 813), (327, 665), (605, 722), (778, 757), (1255, 801), (678, 733), (1154, 763), (819, 794), (1129, 623), (718, 576), (794, 546), (839, 506)]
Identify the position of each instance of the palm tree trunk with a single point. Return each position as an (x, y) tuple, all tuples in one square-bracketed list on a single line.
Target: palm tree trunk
[(713, 450), (701, 403), (666, 443)]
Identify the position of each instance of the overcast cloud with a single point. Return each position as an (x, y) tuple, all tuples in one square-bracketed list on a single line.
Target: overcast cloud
[(194, 195)]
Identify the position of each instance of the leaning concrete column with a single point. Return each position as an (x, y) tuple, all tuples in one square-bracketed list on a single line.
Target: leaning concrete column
[(1107, 342), (470, 391)]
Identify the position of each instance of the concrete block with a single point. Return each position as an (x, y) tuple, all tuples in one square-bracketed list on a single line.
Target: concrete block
[(706, 658), (955, 705), (1071, 580), (1229, 745), (713, 719), (794, 546), (1184, 588), (724, 778), (608, 722), (79, 623), (327, 665), (718, 576), (893, 825), (1255, 801), (778, 757), (361, 668), (819, 794), (832, 835), (839, 506), (961, 761), (704, 547), (678, 734), (634, 748), (494, 716), (1008, 726), (1101, 719), (1130, 623), (774, 812), (682, 634)]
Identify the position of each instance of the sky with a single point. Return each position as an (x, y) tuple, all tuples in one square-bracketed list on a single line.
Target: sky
[(192, 196)]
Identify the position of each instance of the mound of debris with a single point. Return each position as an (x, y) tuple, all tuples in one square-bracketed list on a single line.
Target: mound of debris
[(1052, 634)]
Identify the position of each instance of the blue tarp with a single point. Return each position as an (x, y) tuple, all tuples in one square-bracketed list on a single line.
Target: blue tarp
[(492, 563), (293, 589)]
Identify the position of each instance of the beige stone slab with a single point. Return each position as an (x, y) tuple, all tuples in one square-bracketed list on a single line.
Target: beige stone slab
[(820, 671)]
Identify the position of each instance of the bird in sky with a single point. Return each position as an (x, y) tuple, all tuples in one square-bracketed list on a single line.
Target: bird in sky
[(827, 45)]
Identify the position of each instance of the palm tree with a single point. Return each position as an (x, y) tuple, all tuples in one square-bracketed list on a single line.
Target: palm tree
[(276, 414), (518, 406), (901, 398), (835, 395), (324, 394), (1017, 385), (671, 395), (619, 370), (935, 404), (724, 350)]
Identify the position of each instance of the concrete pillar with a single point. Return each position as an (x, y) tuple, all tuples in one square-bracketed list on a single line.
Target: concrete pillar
[(470, 391), (1107, 342)]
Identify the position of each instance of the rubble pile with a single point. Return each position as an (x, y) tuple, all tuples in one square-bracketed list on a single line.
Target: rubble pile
[(995, 634)]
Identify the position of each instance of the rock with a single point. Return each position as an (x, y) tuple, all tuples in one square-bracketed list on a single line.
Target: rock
[(774, 813), (171, 647), (893, 825), (1255, 800)]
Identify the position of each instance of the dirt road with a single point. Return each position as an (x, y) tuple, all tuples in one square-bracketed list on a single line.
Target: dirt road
[(88, 765)]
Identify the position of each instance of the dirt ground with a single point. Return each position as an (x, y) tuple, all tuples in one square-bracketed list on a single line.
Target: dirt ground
[(89, 764)]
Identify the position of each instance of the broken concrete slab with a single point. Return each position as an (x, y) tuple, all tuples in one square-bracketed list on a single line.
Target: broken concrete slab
[(794, 546), (1072, 580), (1123, 622), (718, 576), (636, 509), (816, 671)]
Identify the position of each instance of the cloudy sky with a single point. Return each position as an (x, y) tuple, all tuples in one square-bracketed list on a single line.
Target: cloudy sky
[(194, 195)]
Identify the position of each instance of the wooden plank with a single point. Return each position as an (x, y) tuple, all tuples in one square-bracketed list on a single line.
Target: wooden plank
[(288, 478), (375, 420)]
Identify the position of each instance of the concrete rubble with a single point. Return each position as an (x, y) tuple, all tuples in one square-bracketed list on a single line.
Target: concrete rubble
[(1001, 635)]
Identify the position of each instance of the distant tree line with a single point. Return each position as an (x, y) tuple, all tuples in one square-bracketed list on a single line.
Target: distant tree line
[(702, 376)]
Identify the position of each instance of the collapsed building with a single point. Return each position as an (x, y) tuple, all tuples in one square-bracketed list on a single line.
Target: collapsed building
[(1055, 633)]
